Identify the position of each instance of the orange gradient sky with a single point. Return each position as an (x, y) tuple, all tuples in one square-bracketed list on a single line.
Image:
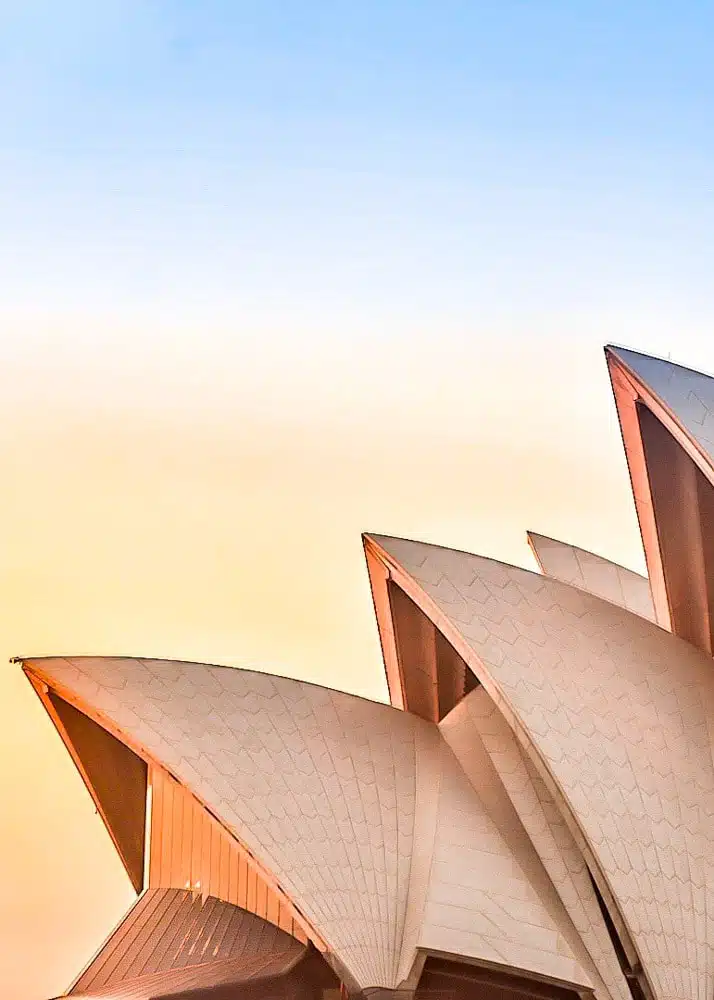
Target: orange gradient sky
[(273, 274)]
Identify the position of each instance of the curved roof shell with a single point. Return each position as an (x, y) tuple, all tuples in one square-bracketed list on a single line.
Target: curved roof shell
[(615, 716), (687, 394), (666, 415), (487, 748), (594, 574), (360, 812)]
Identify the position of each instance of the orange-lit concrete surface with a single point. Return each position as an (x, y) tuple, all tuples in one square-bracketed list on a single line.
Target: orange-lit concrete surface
[(531, 815)]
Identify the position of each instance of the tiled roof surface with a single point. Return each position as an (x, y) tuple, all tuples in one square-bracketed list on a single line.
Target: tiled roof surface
[(688, 394), (592, 573), (483, 742), (322, 787), (618, 713)]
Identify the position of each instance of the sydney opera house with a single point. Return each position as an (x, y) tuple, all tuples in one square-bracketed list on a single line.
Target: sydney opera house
[(532, 816)]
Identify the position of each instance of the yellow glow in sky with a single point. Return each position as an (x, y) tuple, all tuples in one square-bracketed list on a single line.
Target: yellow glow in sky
[(149, 510)]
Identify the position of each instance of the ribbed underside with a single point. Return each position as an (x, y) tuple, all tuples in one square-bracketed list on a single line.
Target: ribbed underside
[(171, 941)]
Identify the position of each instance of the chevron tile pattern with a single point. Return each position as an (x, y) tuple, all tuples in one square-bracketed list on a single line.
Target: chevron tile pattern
[(321, 787), (476, 729), (308, 780), (592, 573), (618, 713), (687, 393), (481, 902)]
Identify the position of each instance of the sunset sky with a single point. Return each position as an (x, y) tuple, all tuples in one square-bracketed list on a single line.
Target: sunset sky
[(275, 273)]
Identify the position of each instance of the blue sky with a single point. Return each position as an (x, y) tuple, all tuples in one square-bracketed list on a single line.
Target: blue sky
[(403, 160), (317, 210)]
